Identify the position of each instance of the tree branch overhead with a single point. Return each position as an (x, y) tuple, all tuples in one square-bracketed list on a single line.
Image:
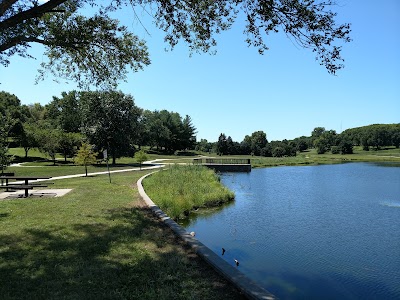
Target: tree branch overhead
[(66, 33)]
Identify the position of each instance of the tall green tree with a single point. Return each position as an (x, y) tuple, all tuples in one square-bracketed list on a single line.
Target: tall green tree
[(188, 134), (64, 113), (110, 120), (204, 146), (258, 141), (11, 105), (68, 143), (6, 124), (48, 142), (28, 138), (90, 47), (222, 145)]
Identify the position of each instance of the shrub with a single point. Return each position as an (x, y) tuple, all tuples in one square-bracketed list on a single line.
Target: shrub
[(179, 189), (335, 150)]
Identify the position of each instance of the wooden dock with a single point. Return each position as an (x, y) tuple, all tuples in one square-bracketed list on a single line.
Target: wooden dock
[(225, 164)]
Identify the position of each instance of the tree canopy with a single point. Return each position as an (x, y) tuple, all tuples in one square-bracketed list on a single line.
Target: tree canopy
[(96, 50)]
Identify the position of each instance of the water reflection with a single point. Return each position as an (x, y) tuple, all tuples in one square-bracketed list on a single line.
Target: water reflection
[(203, 214)]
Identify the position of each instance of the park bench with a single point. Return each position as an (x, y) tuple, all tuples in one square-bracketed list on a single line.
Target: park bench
[(5, 175)]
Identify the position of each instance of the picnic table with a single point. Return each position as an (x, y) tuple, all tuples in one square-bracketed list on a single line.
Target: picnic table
[(24, 186)]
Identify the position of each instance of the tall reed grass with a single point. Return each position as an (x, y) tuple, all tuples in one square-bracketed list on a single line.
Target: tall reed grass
[(179, 189)]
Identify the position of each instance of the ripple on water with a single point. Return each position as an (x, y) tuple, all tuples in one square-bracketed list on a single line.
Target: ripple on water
[(391, 203)]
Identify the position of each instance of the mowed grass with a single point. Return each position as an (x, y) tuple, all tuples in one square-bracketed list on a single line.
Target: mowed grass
[(179, 189), (97, 242), (310, 157)]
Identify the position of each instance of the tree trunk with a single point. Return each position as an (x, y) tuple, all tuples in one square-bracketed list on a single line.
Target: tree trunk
[(86, 170)]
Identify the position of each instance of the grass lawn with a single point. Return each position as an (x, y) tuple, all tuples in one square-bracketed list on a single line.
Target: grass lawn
[(310, 157), (97, 242)]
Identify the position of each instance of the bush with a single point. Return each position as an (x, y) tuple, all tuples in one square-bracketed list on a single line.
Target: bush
[(335, 150), (278, 151), (346, 147), (179, 189)]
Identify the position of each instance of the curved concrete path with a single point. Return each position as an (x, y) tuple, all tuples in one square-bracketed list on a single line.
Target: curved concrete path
[(248, 287), (101, 173), (62, 192)]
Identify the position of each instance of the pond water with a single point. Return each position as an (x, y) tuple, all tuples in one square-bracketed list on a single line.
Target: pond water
[(313, 232)]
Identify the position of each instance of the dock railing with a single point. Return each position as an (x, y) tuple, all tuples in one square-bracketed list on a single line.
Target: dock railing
[(222, 161)]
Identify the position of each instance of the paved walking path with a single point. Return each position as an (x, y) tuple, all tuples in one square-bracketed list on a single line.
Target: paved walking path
[(61, 192), (101, 173)]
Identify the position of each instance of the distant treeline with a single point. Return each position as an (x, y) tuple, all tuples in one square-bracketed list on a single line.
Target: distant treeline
[(369, 137), (111, 120), (105, 119), (374, 136)]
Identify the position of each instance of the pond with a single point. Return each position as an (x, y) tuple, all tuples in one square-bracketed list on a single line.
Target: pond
[(313, 232)]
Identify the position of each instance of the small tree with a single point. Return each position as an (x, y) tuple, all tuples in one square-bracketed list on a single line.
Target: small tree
[(85, 156), (140, 157)]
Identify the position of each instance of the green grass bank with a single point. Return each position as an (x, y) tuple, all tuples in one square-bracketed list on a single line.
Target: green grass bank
[(98, 242), (179, 189)]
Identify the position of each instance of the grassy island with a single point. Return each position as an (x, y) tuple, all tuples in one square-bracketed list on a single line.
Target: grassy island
[(179, 189)]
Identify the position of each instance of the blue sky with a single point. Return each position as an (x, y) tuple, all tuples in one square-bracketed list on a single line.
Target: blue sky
[(285, 92)]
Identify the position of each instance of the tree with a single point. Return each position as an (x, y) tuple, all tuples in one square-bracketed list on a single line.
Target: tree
[(203, 146), (167, 130), (301, 145), (266, 151), (258, 141), (245, 145), (188, 135), (278, 151), (230, 147), (140, 157), (28, 138), (48, 142), (109, 121), (96, 49), (5, 159), (68, 143), (65, 112), (11, 105), (85, 156), (222, 146), (346, 147), (316, 133), (321, 144), (6, 124)]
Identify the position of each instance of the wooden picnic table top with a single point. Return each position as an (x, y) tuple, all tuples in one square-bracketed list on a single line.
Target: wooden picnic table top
[(24, 177), (22, 186)]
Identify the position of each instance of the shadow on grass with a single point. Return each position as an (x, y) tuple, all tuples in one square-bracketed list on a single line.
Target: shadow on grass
[(20, 159), (103, 165), (126, 255)]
